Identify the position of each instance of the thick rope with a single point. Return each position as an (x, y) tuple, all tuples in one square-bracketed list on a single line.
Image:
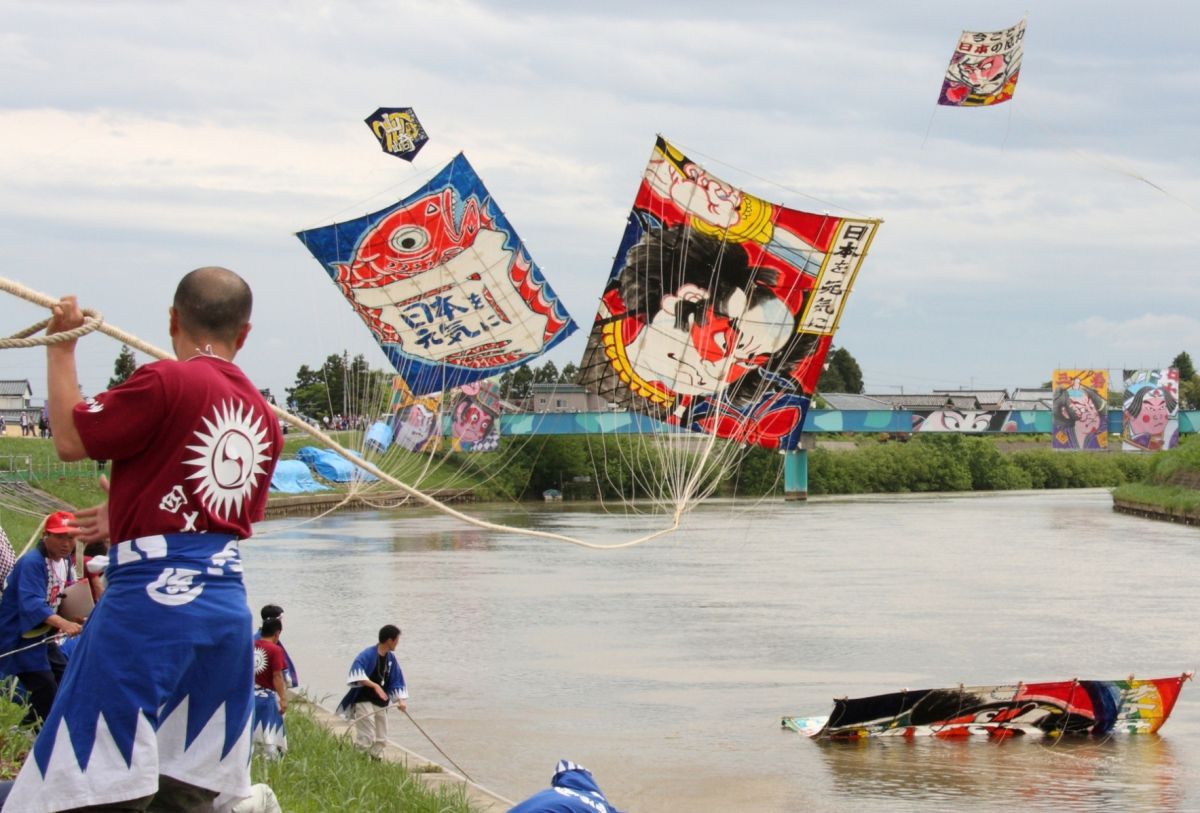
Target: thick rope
[(134, 342), (22, 338)]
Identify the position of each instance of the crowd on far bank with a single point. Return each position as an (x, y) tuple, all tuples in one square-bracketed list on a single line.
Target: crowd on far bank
[(31, 427)]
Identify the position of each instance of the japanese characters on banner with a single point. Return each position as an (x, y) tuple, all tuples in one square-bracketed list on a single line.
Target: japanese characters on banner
[(1150, 419), (984, 68), (1080, 409)]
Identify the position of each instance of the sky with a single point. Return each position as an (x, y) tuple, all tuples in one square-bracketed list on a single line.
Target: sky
[(139, 140)]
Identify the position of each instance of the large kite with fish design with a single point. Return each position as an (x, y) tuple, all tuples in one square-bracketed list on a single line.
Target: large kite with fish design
[(444, 283)]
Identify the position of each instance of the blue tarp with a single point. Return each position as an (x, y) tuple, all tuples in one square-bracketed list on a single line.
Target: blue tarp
[(332, 466), (293, 477)]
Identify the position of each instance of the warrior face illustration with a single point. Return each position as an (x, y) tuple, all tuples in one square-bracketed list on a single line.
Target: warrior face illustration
[(984, 75), (414, 426), (471, 422), (697, 345)]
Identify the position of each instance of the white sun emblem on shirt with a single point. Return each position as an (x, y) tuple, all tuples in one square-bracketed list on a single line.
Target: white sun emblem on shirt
[(230, 458), (260, 660)]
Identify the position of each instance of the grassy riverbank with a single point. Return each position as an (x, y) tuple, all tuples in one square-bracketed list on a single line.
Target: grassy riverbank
[(1171, 482), (321, 772)]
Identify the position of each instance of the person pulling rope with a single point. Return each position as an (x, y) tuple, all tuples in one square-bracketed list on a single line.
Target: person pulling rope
[(38, 298)]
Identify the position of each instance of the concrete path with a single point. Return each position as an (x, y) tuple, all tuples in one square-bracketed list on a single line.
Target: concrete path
[(431, 773)]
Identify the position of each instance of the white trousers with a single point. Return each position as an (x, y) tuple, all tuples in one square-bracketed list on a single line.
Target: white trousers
[(370, 727)]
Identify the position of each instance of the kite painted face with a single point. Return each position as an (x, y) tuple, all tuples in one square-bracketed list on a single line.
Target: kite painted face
[(693, 346), (1087, 417), (952, 420), (414, 427), (1154, 416), (984, 76), (412, 239), (472, 423)]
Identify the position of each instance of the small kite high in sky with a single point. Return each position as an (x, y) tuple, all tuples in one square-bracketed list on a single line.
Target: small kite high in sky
[(984, 68), (399, 131)]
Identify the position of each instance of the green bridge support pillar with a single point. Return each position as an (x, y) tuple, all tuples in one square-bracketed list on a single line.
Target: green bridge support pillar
[(795, 474)]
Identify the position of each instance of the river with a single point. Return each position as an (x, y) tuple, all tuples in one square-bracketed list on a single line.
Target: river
[(665, 668)]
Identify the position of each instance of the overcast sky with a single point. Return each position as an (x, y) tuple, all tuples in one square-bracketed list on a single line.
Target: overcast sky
[(141, 140)]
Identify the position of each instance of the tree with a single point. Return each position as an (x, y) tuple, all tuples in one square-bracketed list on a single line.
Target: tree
[(546, 374), (1183, 363), (842, 373), (309, 394), (522, 379), (123, 367), (342, 386), (569, 373), (1189, 382)]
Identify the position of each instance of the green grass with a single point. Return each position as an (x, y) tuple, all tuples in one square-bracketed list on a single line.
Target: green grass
[(321, 772), (1179, 499), (324, 772), (15, 739)]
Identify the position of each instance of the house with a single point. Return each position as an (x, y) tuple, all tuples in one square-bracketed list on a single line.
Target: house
[(564, 398), (916, 402), (987, 400), (848, 401), (16, 398)]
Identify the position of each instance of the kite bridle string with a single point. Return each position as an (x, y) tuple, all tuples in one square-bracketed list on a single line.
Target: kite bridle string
[(46, 301)]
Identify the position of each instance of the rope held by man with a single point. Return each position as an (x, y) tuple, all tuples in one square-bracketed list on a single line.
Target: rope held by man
[(134, 342)]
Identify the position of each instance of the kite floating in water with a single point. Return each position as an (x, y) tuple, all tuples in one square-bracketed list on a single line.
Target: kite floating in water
[(1098, 708), (720, 307), (444, 283), (984, 68), (398, 130)]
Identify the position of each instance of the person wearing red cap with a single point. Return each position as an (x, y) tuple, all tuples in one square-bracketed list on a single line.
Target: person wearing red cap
[(155, 709), (29, 619)]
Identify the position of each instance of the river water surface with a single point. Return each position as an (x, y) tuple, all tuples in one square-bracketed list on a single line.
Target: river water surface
[(665, 668)]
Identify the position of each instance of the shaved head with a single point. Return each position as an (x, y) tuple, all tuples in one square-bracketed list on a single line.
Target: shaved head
[(213, 301)]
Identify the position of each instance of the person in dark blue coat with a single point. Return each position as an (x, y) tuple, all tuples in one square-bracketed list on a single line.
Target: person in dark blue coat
[(29, 619), (572, 790)]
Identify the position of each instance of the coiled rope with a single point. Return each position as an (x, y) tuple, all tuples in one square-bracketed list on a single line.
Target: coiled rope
[(46, 301)]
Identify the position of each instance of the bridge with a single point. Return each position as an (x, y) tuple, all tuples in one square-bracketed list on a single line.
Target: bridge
[(818, 421)]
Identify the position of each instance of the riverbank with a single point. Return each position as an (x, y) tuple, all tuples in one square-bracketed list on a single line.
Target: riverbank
[(436, 779), (322, 771), (1158, 512)]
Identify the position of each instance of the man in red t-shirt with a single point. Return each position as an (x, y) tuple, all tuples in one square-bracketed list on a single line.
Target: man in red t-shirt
[(269, 663), (270, 691), (155, 708)]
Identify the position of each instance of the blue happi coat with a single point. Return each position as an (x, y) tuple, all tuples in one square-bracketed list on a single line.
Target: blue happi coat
[(24, 607), (572, 790), (362, 669)]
